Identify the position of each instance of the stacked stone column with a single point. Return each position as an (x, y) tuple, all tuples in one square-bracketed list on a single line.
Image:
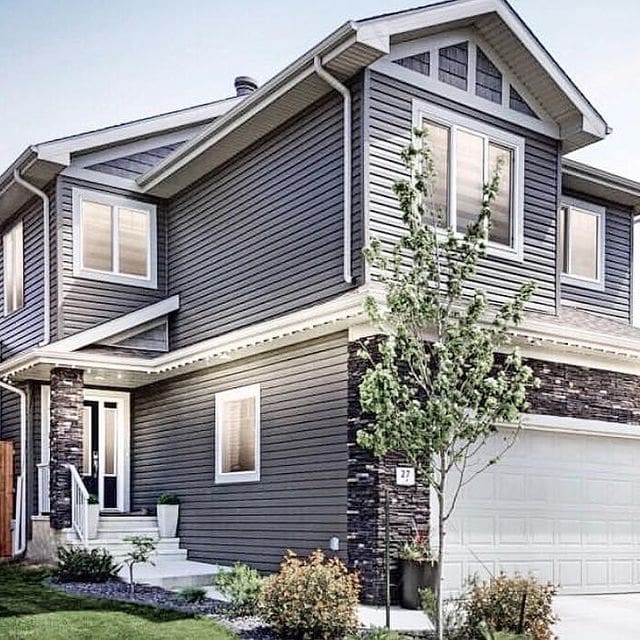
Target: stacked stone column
[(65, 440)]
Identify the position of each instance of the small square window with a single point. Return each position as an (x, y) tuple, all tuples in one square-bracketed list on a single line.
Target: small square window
[(13, 268), (114, 239), (581, 243), (237, 435)]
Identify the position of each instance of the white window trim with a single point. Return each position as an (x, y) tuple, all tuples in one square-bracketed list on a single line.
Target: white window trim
[(111, 200), (424, 110), (251, 391), (598, 211), (635, 313), (16, 284)]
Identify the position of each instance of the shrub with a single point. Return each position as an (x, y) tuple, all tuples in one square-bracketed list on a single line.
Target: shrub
[(311, 598), (76, 564), (453, 614), (193, 595), (168, 498), (498, 603), (241, 585)]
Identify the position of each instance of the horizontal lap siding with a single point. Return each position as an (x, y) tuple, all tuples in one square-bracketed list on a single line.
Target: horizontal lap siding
[(10, 424), (301, 500), (86, 303), (135, 164), (615, 300), (390, 122), (262, 236)]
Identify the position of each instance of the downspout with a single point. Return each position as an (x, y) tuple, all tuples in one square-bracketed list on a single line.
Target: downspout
[(346, 132), (46, 320), (22, 542)]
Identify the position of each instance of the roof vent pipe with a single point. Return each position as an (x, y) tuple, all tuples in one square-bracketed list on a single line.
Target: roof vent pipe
[(245, 85)]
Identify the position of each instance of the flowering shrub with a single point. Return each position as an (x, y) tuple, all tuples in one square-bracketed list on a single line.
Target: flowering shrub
[(312, 598), (417, 549), (498, 604), (242, 585)]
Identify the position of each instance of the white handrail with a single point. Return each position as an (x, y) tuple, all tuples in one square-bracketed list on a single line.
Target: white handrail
[(79, 504), (43, 488)]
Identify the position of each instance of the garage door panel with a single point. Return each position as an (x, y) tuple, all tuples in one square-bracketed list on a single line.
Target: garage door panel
[(561, 505)]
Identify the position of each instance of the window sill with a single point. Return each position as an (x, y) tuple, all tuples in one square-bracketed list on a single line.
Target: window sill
[(583, 283), (116, 278), (237, 478)]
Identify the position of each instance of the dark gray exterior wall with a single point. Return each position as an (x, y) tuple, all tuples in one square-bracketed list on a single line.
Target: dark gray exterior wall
[(262, 235), (84, 303), (390, 123), (615, 300), (301, 499)]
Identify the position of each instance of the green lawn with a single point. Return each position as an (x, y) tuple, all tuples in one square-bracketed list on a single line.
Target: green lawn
[(29, 609)]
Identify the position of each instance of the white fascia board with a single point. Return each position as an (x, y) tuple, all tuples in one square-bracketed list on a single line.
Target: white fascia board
[(254, 103), (60, 151), (579, 426), (443, 13), (113, 327)]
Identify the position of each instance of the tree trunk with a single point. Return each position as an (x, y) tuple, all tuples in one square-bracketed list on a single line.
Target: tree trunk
[(441, 535)]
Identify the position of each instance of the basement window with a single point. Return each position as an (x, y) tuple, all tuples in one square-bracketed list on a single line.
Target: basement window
[(13, 268), (114, 239), (581, 244), (237, 435)]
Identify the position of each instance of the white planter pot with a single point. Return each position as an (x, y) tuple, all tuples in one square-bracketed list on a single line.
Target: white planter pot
[(168, 520), (93, 516)]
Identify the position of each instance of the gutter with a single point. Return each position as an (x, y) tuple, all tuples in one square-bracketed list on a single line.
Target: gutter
[(346, 178), (46, 311), (21, 503)]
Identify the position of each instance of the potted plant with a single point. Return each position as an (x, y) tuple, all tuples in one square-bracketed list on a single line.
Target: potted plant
[(93, 516), (167, 511), (417, 570)]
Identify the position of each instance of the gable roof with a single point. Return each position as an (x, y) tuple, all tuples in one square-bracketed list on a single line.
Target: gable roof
[(358, 44)]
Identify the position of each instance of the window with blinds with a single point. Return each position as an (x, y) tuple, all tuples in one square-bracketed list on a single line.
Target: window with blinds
[(237, 435)]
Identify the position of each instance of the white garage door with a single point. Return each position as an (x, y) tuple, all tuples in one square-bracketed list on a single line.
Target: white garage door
[(563, 506)]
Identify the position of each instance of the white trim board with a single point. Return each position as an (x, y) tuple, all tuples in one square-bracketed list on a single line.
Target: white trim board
[(580, 426)]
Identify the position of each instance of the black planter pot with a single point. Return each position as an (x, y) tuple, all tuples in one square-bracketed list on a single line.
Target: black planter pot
[(413, 577)]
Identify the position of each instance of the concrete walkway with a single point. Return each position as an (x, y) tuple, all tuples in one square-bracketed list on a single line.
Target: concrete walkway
[(607, 617), (401, 619)]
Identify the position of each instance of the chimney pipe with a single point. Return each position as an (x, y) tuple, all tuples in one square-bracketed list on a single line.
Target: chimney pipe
[(245, 85)]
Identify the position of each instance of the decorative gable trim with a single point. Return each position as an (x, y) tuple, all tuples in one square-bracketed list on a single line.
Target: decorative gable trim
[(529, 114)]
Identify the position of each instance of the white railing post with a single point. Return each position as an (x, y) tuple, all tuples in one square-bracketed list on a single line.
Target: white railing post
[(79, 504), (43, 488)]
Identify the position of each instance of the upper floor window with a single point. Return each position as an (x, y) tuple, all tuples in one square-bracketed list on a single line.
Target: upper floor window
[(13, 265), (581, 243), (237, 438), (114, 238), (467, 154)]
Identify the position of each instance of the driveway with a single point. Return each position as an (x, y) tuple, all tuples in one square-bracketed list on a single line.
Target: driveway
[(612, 617)]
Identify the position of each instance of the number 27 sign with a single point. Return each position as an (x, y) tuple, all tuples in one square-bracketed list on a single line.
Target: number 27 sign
[(405, 476)]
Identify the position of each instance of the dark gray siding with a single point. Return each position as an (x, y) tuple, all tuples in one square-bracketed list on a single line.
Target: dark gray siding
[(85, 303), (615, 300), (10, 424), (135, 164), (390, 125), (262, 236), (301, 500), (23, 329)]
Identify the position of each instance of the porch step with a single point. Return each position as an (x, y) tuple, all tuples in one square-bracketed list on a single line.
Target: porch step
[(173, 574)]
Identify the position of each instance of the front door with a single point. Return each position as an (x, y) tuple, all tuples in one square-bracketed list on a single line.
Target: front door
[(105, 449)]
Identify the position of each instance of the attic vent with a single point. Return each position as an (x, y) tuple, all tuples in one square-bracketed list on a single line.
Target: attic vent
[(245, 85), (488, 79), (518, 103), (453, 65), (421, 62)]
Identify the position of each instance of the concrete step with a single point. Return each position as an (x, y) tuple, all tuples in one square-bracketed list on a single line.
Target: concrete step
[(111, 533), (173, 574), (128, 522)]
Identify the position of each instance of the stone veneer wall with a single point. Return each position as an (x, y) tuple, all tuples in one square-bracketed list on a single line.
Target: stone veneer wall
[(67, 395), (367, 480)]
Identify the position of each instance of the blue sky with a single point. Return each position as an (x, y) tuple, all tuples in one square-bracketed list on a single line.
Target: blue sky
[(67, 66)]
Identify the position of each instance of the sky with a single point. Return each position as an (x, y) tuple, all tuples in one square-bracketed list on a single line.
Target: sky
[(68, 66)]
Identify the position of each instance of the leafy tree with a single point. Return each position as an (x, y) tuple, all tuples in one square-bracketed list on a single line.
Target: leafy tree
[(142, 547), (445, 375)]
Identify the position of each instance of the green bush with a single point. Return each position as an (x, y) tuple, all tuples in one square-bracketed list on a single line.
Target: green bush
[(312, 598), (76, 564), (193, 595), (498, 604), (168, 498), (241, 585)]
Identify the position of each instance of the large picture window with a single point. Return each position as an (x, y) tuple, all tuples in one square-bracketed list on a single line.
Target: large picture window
[(466, 155), (114, 238), (581, 244), (237, 435), (13, 266)]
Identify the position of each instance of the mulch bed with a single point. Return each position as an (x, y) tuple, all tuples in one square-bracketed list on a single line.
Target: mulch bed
[(248, 628)]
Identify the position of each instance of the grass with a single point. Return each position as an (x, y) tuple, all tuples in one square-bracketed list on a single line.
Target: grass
[(31, 610)]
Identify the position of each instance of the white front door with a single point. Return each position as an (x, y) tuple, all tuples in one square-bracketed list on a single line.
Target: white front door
[(560, 504)]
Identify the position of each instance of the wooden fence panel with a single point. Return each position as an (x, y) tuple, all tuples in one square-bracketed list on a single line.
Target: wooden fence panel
[(6, 497)]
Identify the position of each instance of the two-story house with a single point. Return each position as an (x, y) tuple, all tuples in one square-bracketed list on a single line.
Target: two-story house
[(182, 308)]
